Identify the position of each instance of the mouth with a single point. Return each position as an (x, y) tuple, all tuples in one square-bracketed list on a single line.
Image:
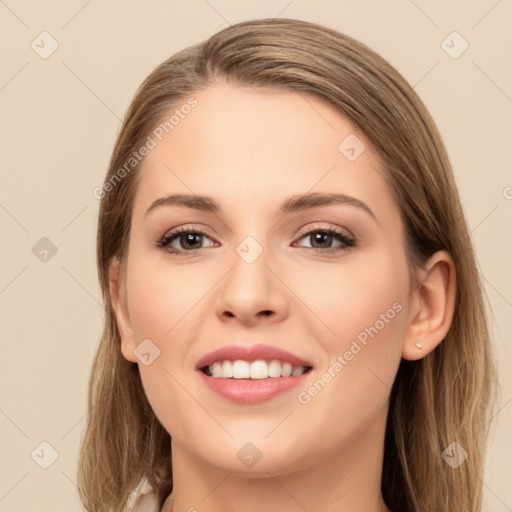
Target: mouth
[(248, 374)]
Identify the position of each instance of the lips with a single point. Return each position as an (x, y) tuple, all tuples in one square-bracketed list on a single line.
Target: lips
[(247, 390)]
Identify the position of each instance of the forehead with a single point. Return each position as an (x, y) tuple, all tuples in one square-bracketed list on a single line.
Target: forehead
[(247, 146)]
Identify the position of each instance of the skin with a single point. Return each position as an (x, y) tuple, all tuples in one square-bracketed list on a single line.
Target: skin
[(250, 149)]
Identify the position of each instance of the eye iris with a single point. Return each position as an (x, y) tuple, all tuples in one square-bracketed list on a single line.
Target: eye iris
[(190, 238), (317, 237)]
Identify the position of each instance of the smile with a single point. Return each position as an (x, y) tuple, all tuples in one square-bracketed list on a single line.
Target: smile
[(248, 374)]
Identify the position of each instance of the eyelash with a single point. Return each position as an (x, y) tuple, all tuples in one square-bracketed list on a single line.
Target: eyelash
[(348, 242)]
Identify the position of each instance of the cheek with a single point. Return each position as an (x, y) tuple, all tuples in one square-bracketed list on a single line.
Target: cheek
[(165, 307), (353, 295), (160, 295), (363, 305), (155, 309)]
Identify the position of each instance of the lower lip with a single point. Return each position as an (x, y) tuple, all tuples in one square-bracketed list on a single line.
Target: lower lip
[(251, 391)]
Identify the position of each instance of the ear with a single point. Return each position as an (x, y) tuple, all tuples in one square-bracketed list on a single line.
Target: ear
[(119, 304), (432, 307)]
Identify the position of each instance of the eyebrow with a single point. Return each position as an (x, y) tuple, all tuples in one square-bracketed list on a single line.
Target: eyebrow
[(290, 205)]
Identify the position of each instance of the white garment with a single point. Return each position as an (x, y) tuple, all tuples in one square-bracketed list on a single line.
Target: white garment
[(142, 499)]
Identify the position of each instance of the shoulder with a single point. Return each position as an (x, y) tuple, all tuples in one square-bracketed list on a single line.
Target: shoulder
[(142, 499)]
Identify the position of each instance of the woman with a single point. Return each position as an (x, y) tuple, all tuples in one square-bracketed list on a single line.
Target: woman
[(293, 308)]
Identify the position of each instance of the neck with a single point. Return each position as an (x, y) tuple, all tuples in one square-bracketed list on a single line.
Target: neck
[(347, 478)]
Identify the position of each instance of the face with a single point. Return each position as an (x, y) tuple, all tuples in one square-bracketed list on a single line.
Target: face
[(325, 281)]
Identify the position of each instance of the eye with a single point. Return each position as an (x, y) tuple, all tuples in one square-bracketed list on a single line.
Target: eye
[(321, 240), (185, 240), (189, 240)]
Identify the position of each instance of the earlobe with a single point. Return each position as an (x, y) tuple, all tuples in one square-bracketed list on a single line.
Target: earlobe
[(432, 308), (119, 305)]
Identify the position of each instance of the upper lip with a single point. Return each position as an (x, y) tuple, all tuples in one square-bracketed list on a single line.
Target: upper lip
[(251, 353)]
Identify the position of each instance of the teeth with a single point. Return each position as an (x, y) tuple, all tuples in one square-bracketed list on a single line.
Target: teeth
[(259, 369), (216, 370), (240, 370), (227, 369), (286, 370), (274, 369), (298, 370)]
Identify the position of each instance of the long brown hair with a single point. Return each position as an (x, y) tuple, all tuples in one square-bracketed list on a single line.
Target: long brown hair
[(448, 396)]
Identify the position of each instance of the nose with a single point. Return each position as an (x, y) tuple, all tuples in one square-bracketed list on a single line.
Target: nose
[(252, 293)]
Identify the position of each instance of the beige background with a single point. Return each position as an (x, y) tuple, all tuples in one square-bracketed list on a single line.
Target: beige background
[(60, 116)]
